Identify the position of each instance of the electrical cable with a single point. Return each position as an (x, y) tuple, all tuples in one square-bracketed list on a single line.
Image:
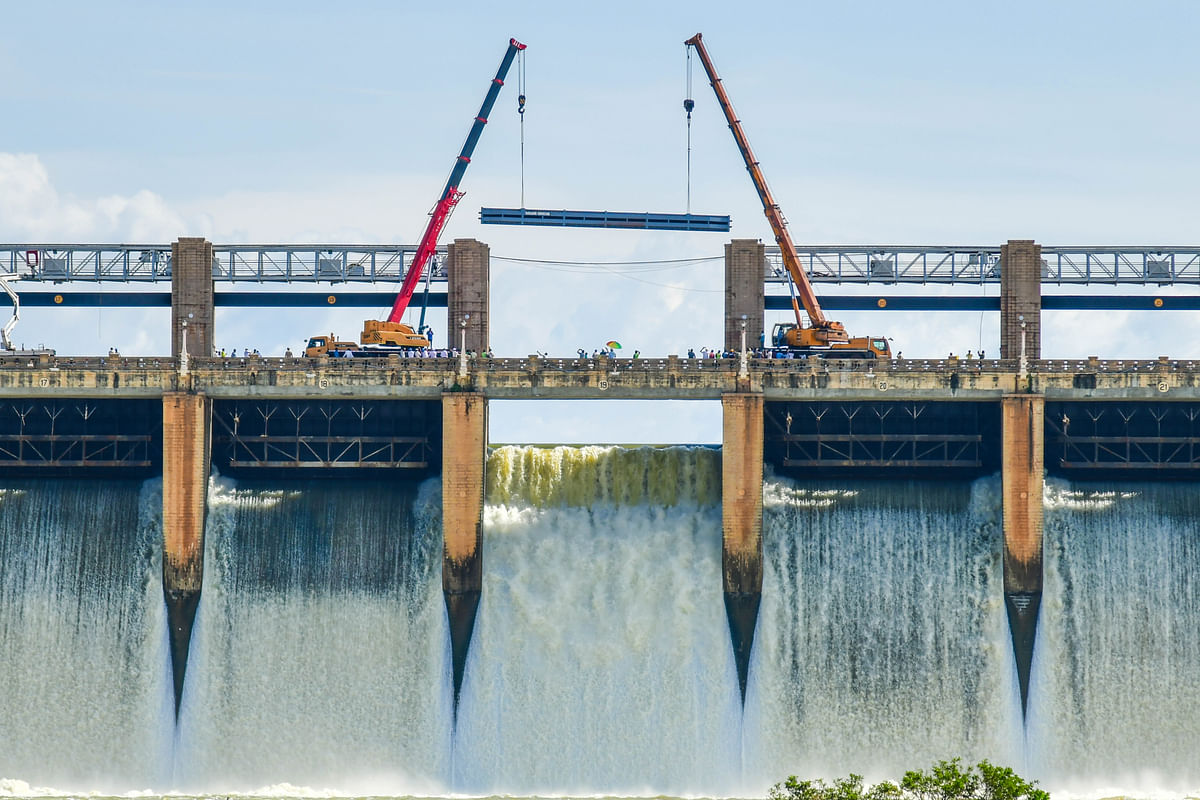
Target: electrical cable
[(677, 262), (626, 276)]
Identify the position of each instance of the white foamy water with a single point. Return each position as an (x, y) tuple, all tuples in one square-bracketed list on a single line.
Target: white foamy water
[(601, 661), (882, 641), (320, 653), (1115, 690), (85, 695)]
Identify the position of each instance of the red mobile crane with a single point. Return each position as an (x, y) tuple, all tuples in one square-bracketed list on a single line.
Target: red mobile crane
[(387, 335), (821, 337)]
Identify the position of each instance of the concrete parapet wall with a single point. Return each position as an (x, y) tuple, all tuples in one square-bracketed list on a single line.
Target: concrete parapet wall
[(643, 378)]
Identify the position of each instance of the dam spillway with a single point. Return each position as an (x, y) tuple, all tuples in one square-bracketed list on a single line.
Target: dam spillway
[(601, 660)]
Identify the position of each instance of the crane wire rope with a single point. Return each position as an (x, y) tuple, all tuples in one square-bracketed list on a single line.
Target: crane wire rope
[(521, 114), (688, 105)]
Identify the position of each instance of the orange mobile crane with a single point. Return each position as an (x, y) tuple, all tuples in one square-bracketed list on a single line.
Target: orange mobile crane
[(821, 337)]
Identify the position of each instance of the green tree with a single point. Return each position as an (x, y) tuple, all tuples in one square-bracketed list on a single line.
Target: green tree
[(946, 780)]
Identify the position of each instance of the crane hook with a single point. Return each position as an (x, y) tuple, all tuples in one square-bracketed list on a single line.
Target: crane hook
[(688, 105)]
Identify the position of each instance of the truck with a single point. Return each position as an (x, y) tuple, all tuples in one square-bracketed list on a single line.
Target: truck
[(817, 336), (384, 337), (330, 345)]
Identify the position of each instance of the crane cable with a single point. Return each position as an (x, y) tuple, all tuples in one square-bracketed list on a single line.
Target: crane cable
[(521, 114), (688, 105)]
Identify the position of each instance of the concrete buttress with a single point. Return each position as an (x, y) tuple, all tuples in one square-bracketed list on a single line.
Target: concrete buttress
[(192, 297), (741, 521), (467, 275), (745, 266), (186, 443), (464, 450), (1021, 299), (1023, 461)]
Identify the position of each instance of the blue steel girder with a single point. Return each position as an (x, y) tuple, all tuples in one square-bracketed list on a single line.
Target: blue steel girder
[(1151, 265), (865, 264), (269, 263)]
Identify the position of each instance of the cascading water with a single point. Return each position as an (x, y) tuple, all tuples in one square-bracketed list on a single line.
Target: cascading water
[(1115, 692), (320, 652), (882, 642), (601, 660), (85, 689)]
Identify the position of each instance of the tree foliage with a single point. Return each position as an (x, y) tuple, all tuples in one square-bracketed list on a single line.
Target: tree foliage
[(946, 780)]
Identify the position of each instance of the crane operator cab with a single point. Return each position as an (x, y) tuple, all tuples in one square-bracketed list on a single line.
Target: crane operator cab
[(327, 346)]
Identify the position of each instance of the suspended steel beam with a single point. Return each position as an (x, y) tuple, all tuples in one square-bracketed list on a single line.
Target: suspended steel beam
[(604, 219)]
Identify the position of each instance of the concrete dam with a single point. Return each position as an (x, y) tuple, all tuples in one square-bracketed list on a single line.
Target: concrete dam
[(224, 573)]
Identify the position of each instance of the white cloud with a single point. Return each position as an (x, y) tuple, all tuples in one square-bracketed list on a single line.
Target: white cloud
[(554, 307), (31, 209)]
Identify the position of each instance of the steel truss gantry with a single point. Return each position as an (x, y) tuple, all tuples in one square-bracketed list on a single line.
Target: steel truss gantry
[(362, 263), (1152, 265), (269, 434), (83, 434), (247, 263), (1116, 437), (910, 435)]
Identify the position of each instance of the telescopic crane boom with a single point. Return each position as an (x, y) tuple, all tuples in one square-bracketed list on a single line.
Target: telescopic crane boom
[(450, 193), (393, 331), (821, 332)]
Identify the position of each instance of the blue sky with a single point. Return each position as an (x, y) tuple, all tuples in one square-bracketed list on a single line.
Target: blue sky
[(951, 123)]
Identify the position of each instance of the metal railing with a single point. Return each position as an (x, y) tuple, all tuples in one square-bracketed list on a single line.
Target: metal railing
[(1151, 265), (364, 263), (251, 263), (535, 363)]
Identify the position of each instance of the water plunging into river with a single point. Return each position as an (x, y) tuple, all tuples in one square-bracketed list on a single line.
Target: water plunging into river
[(601, 661)]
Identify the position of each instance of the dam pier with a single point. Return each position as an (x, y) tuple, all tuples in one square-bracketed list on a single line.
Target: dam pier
[(186, 414)]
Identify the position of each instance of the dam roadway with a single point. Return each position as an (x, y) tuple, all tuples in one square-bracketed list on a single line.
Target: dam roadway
[(536, 378)]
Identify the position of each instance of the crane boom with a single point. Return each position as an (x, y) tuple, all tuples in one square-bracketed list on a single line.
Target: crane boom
[(824, 329), (451, 194)]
